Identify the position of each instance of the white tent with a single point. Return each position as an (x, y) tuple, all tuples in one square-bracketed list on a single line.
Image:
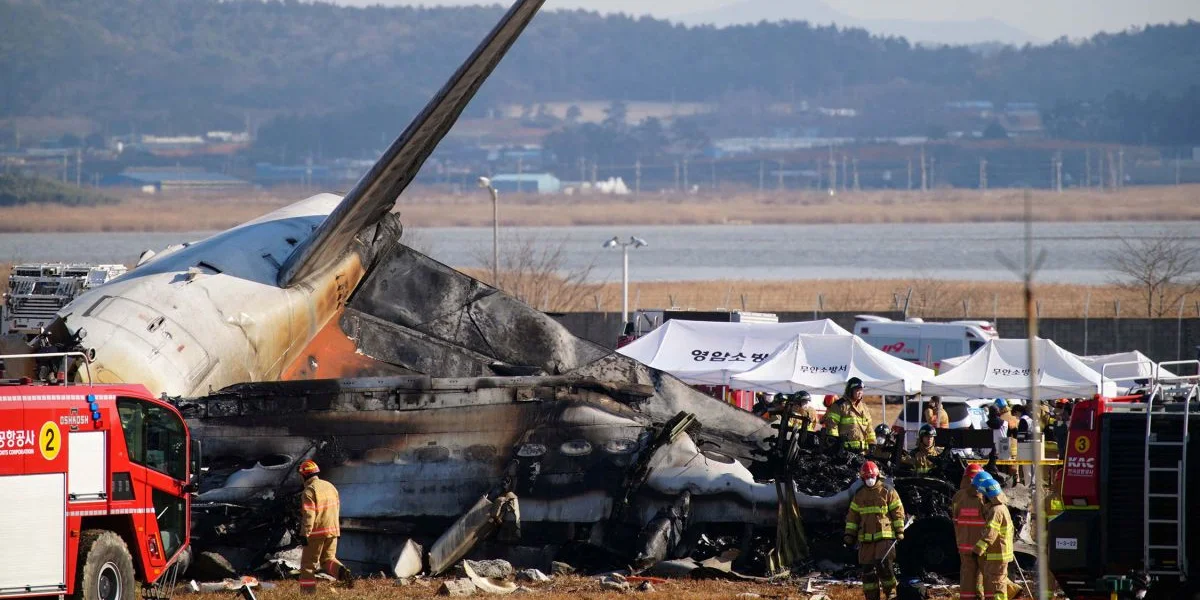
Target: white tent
[(1144, 369), (822, 363), (710, 352), (949, 363), (1001, 369)]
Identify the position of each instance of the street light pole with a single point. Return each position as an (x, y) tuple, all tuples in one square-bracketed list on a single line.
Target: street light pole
[(635, 242), (486, 183)]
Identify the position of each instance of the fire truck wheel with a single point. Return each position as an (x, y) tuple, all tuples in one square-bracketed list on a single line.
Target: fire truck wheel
[(106, 571)]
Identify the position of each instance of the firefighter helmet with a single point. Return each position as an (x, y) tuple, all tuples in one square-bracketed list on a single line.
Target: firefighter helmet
[(973, 469), (986, 485), (881, 430), (868, 470), (928, 430), (308, 468)]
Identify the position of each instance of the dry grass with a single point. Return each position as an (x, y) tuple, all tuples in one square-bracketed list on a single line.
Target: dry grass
[(562, 588), (191, 211), (931, 298)]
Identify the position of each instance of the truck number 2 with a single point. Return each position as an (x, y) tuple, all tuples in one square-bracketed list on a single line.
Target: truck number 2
[(51, 439)]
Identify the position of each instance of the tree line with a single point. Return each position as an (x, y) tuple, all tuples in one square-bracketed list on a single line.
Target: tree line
[(187, 65)]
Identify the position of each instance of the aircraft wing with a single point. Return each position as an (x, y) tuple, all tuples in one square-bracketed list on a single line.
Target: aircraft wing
[(376, 193)]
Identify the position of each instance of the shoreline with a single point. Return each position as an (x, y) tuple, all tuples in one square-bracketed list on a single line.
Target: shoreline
[(424, 208)]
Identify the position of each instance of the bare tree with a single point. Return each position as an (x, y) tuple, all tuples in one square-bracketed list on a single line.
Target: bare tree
[(536, 273), (1163, 270)]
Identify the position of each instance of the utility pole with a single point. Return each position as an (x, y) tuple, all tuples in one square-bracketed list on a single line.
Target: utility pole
[(1100, 171), (1058, 172), (781, 175), (593, 173), (924, 173), (676, 176), (762, 173), (854, 163), (1120, 168), (983, 174), (687, 189), (832, 171), (1176, 168), (637, 178), (1087, 162), (520, 168), (910, 173), (79, 167), (932, 172)]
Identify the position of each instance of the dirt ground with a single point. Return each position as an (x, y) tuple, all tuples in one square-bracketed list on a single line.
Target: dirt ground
[(568, 588)]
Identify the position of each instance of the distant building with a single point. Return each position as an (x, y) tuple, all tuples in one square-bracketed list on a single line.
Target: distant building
[(540, 183), (173, 179)]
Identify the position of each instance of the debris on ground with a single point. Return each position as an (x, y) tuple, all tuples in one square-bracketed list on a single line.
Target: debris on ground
[(615, 582), (532, 575), (490, 585), (407, 561), (492, 569), (457, 587), (561, 568)]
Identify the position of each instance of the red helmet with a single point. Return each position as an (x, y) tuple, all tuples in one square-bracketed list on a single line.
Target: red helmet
[(868, 470), (308, 468), (829, 398), (973, 469)]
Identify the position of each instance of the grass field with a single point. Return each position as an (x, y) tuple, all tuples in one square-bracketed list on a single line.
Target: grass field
[(931, 298), (190, 211)]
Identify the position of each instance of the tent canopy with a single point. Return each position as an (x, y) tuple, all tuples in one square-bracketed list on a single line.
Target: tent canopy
[(949, 363), (710, 352), (1144, 369), (821, 364), (1001, 369)]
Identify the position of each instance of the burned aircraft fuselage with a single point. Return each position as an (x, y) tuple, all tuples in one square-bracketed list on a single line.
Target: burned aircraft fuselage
[(410, 454)]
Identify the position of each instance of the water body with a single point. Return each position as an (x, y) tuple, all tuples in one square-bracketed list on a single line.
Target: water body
[(1074, 251)]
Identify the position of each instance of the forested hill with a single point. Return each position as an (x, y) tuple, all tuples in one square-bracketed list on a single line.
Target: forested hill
[(207, 62)]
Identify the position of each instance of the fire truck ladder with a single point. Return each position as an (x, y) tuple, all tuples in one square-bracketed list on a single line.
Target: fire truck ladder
[(1165, 509)]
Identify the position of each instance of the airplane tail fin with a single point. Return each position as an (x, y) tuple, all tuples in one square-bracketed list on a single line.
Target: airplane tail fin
[(376, 193)]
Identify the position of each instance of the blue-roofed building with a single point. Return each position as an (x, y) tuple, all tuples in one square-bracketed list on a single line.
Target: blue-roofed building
[(529, 183), (173, 178)]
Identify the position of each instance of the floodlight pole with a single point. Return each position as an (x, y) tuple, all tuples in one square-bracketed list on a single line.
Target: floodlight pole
[(635, 242), (486, 183), (624, 285)]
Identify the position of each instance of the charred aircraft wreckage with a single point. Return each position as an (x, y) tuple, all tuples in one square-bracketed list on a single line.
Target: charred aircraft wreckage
[(443, 409)]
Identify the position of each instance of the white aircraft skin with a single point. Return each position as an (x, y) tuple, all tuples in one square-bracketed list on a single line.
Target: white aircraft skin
[(166, 323)]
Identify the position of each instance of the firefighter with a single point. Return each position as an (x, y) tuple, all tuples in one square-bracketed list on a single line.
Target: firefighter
[(829, 422), (876, 521), (801, 404), (319, 530), (852, 421), (935, 415), (922, 458), (967, 511), (994, 550)]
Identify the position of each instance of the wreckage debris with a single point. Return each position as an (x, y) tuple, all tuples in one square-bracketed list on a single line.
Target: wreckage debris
[(533, 576), (457, 587)]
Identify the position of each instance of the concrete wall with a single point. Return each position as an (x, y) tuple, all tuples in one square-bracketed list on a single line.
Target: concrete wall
[(1160, 339)]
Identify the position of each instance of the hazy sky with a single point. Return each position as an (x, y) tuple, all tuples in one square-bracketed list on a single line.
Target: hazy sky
[(1045, 19)]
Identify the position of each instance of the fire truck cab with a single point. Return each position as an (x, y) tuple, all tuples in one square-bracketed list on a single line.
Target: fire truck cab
[(1126, 530), (94, 488)]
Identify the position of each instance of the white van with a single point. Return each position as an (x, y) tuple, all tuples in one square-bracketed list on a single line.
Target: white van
[(924, 343)]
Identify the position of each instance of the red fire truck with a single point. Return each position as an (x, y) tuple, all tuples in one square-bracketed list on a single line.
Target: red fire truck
[(94, 487), (1127, 527)]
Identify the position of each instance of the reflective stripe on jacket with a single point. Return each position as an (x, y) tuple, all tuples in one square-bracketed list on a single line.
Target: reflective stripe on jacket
[(967, 512), (319, 509), (854, 425), (996, 542), (875, 514)]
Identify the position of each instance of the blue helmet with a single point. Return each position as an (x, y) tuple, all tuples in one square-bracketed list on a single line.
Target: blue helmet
[(1001, 403), (986, 485)]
